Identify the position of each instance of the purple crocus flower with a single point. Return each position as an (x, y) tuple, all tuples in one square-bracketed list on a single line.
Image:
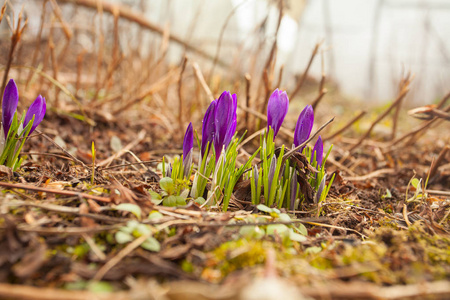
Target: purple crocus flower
[(318, 149), (225, 121), (188, 144), (304, 126), (36, 109), (9, 105), (277, 109), (208, 127)]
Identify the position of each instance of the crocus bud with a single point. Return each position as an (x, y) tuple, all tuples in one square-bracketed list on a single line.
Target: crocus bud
[(168, 170), (320, 189), (225, 117), (318, 149), (304, 126), (208, 128), (272, 169), (9, 105), (188, 144), (37, 109), (277, 109), (255, 175), (293, 190)]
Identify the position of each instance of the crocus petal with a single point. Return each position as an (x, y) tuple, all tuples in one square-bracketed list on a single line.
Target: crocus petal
[(37, 109), (188, 142), (230, 133), (304, 126), (318, 149), (277, 109), (208, 127), (9, 105), (225, 114)]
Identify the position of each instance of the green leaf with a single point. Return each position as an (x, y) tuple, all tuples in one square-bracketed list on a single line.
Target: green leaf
[(296, 237), (264, 208), (180, 201), (143, 229), (252, 232), (151, 244), (302, 229), (200, 200), (313, 250), (155, 215), (100, 287), (170, 201), (167, 184), (123, 237), (415, 182), (132, 208), (281, 229), (284, 217)]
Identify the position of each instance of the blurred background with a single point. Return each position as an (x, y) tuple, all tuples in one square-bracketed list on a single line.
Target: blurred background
[(365, 46)]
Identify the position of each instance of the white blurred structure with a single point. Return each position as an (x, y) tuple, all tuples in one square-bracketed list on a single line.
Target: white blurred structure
[(370, 43)]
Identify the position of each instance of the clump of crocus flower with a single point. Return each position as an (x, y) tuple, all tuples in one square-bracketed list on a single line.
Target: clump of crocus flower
[(276, 177), (14, 132)]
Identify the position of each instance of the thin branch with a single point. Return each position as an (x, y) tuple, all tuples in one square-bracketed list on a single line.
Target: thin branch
[(53, 191), (346, 126), (293, 150), (305, 73), (403, 91), (128, 14)]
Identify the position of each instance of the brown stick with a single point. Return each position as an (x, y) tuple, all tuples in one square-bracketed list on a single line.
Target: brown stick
[(397, 113), (417, 130), (293, 150), (15, 38), (270, 64), (305, 73), (219, 42), (128, 14), (38, 42), (403, 91), (346, 126), (180, 97), (248, 79), (319, 97), (53, 191), (438, 161), (67, 31)]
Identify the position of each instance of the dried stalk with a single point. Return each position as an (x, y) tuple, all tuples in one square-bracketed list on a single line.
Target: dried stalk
[(346, 126), (132, 16), (403, 91), (305, 73), (38, 42), (180, 97), (15, 38)]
